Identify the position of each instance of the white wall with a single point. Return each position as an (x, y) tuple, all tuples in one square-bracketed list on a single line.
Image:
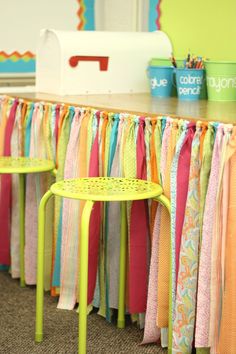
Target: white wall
[(21, 21), (121, 15)]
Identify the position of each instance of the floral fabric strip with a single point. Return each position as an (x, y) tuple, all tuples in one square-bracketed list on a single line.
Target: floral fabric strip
[(184, 318)]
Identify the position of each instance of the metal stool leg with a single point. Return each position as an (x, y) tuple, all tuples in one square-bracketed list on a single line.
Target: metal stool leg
[(83, 273), (164, 201), (40, 267), (22, 228), (123, 254)]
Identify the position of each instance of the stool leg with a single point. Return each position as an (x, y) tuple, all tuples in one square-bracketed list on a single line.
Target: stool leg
[(123, 254), (164, 201), (40, 267), (22, 228), (83, 273)]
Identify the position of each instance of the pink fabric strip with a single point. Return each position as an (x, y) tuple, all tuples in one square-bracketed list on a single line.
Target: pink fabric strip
[(141, 151), (95, 220), (182, 189), (138, 276), (5, 198)]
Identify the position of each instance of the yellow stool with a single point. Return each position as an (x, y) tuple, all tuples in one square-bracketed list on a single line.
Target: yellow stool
[(103, 189), (22, 166)]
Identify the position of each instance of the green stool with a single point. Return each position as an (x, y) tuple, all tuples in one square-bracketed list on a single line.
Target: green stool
[(103, 189), (22, 166)]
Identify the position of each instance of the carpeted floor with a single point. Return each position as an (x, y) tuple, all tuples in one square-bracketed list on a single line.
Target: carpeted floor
[(17, 322)]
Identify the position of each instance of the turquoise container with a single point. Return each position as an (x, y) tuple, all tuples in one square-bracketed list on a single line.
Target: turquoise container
[(189, 83), (161, 80)]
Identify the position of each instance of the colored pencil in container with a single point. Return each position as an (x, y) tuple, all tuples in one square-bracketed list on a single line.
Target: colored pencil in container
[(188, 60), (173, 61), (198, 64)]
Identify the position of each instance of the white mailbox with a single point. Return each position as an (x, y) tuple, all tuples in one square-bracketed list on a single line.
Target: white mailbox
[(81, 62)]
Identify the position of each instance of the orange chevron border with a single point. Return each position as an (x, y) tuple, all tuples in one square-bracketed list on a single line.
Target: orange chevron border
[(15, 56), (158, 20), (80, 14)]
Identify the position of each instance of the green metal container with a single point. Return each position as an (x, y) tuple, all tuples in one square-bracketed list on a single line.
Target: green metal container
[(221, 80), (166, 62)]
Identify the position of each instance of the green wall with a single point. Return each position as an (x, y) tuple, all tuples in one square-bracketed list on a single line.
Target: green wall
[(206, 27)]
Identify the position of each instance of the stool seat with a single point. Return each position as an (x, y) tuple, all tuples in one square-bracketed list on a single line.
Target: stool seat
[(106, 189), (24, 165)]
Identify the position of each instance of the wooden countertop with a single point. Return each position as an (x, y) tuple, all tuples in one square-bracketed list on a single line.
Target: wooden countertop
[(145, 104)]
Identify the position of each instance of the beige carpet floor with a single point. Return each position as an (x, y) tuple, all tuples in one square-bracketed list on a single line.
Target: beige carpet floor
[(17, 322)]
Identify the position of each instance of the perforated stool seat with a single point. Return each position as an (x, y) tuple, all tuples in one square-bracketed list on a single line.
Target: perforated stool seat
[(23, 166), (103, 189), (106, 189)]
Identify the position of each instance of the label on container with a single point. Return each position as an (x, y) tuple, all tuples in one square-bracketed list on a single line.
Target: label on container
[(221, 83)]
